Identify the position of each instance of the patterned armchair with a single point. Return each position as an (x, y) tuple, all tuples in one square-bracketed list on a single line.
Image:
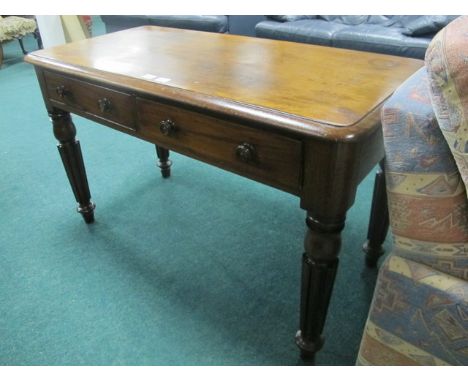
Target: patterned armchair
[(419, 313)]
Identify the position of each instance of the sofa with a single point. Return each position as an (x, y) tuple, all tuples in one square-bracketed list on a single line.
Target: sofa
[(407, 36), (234, 24), (419, 312), (218, 24)]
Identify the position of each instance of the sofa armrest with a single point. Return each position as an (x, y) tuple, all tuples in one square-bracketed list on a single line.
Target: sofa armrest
[(446, 62), (426, 196), (413, 141)]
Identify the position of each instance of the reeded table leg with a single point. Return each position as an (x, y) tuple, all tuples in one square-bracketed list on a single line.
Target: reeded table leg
[(378, 221), (70, 152), (319, 265), (164, 163)]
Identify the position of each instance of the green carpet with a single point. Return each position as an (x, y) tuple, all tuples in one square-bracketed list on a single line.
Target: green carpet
[(202, 268)]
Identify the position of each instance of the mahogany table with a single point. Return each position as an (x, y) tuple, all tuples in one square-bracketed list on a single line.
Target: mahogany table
[(301, 118)]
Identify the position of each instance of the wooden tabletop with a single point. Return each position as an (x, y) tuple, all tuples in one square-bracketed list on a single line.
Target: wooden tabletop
[(335, 87)]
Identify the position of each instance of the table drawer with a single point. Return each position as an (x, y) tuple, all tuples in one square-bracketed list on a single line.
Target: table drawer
[(256, 153), (98, 101)]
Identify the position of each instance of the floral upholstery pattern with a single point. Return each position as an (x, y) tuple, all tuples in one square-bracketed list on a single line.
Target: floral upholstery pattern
[(419, 313)]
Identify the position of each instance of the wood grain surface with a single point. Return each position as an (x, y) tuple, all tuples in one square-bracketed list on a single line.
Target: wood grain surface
[(320, 85)]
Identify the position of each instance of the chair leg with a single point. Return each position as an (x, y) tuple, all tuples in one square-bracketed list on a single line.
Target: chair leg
[(38, 38), (20, 40)]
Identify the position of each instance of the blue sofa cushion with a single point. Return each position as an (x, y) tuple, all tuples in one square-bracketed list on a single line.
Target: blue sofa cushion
[(313, 31), (285, 18), (424, 25), (358, 19), (401, 35), (196, 22), (380, 39), (119, 22)]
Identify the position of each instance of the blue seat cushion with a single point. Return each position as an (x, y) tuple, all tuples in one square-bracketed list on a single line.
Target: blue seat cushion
[(312, 31), (377, 38)]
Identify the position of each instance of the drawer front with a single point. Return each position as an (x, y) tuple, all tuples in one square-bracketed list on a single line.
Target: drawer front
[(95, 100), (255, 153)]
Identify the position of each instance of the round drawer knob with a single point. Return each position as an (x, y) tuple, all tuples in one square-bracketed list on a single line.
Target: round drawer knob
[(61, 91), (167, 127), (104, 104), (246, 152)]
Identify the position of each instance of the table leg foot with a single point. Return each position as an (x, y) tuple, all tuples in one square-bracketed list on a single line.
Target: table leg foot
[(87, 212), (164, 163), (307, 358), (308, 348), (378, 221), (319, 266), (72, 159), (373, 254)]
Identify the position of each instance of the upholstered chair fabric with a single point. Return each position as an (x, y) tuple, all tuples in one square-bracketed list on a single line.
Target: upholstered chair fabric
[(426, 196), (13, 27), (419, 313), (447, 65)]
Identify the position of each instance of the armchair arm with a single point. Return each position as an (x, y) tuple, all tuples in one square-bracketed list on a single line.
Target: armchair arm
[(426, 196), (446, 62)]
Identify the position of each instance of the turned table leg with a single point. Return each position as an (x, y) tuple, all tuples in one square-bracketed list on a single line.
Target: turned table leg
[(70, 152), (164, 163), (319, 265), (378, 221)]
